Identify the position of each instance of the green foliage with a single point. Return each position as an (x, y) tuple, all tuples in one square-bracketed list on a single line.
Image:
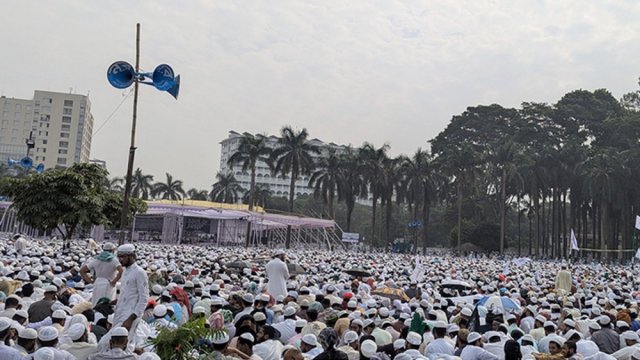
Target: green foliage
[(178, 344), (65, 199)]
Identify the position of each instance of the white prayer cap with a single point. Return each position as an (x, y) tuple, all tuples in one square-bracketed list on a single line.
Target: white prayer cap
[(594, 326), (587, 348), (289, 311), (604, 320), (247, 336), (5, 323), (47, 333), (310, 339), (630, 335), (350, 336), (126, 249), (414, 338), (399, 344), (259, 316), (59, 314), (367, 322), (541, 318), (76, 331), (439, 325), (549, 324), (368, 348), (44, 354), (301, 323), (28, 333), (570, 334), (160, 310), (198, 310), (466, 312), (247, 297), (557, 339), (156, 289), (621, 324), (279, 252), (570, 323), (473, 337), (108, 246), (50, 288), (22, 313), (119, 331)]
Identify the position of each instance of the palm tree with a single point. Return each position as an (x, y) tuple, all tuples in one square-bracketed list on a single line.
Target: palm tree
[(351, 183), (252, 148), (195, 194), (262, 195), (325, 179), (293, 155), (141, 185), (392, 177), (505, 157), (225, 189), (372, 164), (422, 179), (115, 184), (171, 190)]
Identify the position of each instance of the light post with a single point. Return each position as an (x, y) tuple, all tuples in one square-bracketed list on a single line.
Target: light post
[(121, 75)]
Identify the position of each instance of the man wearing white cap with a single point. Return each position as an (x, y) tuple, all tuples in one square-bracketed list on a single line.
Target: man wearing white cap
[(309, 346), (351, 344), (607, 339), (7, 352), (48, 338), (287, 327), (439, 346), (80, 347), (118, 347), (266, 346), (106, 272), (26, 343), (474, 350), (134, 291), (41, 310), (277, 273)]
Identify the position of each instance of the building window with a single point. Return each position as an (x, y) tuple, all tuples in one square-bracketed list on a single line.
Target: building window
[(44, 142), (62, 151), (5, 115), (66, 119), (68, 103), (62, 161), (44, 150), (66, 127), (63, 144), (66, 111), (64, 135)]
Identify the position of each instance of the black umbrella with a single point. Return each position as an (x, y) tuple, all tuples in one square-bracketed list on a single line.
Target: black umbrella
[(358, 272)]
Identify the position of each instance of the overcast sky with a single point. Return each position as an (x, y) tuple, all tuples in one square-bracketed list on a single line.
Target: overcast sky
[(348, 71)]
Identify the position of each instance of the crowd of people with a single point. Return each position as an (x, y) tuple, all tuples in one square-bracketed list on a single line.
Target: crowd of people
[(102, 301)]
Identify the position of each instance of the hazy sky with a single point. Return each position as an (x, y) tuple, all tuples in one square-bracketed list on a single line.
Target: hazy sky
[(349, 71)]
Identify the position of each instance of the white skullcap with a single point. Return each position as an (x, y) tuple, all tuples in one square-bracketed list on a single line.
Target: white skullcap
[(350, 336), (570, 333), (50, 288), (439, 325), (198, 310), (76, 331), (247, 336), (160, 310), (279, 252), (59, 314), (630, 335), (47, 333), (399, 344), (119, 331), (310, 339), (28, 333), (22, 313), (44, 354), (587, 348), (604, 320), (466, 312), (156, 289), (473, 337), (414, 338), (620, 324), (301, 323), (368, 348), (5, 323), (289, 311), (259, 316), (126, 249)]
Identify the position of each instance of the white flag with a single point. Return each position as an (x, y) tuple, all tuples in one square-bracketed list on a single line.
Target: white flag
[(638, 253), (574, 241), (637, 222), (505, 269)]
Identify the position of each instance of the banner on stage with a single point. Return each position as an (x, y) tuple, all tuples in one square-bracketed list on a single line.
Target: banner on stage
[(637, 222), (350, 237)]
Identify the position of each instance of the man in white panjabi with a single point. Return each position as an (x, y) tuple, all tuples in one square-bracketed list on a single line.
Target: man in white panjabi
[(20, 244), (134, 292), (105, 270), (277, 273), (563, 281)]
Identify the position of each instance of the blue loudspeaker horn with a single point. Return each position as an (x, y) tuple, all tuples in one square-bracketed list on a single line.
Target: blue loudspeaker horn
[(175, 89), (26, 162), (12, 162), (121, 74), (40, 168), (163, 77)]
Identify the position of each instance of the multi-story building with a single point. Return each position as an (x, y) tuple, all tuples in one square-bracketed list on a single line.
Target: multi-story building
[(278, 184), (60, 124)]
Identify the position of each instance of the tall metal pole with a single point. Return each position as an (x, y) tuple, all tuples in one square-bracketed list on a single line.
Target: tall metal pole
[(124, 220)]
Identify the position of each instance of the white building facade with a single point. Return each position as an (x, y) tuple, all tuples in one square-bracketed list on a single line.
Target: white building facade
[(60, 124), (278, 184)]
